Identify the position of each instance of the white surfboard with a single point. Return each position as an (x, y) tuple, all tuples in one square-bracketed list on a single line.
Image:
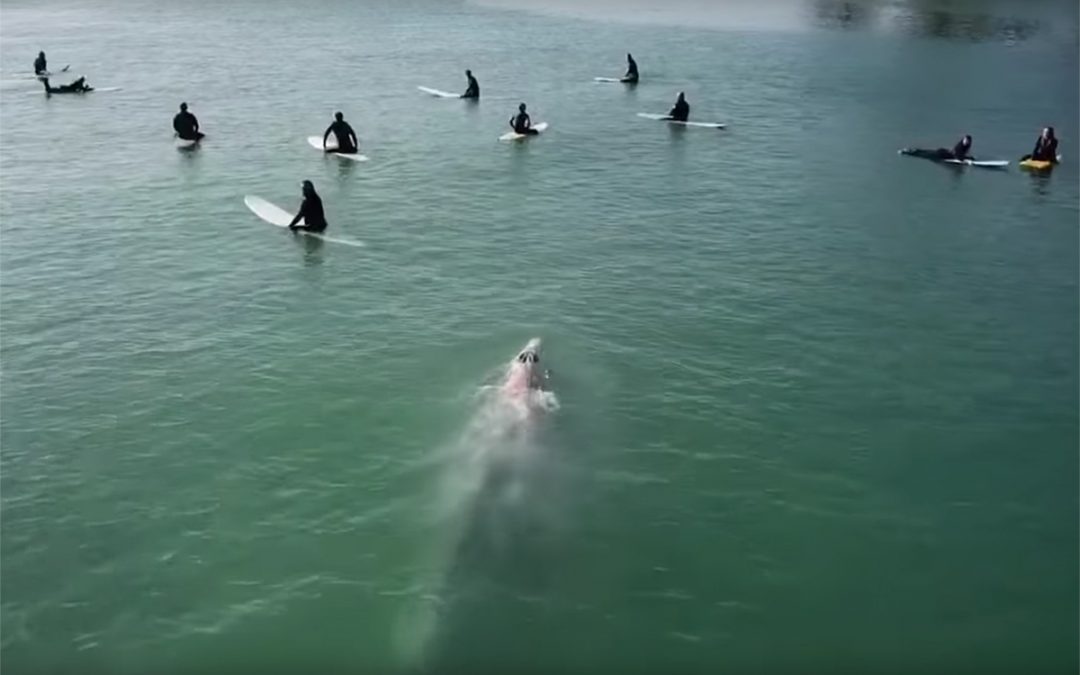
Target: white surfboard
[(664, 118), (185, 144), (331, 145), (515, 136), (984, 163), (607, 79), (438, 92), (275, 215)]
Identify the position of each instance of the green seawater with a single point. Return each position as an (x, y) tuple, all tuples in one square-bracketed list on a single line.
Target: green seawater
[(817, 404)]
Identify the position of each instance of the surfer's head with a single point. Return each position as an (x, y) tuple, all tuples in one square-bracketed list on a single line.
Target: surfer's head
[(521, 107), (967, 139), (183, 107), (41, 55), (629, 57), (682, 96), (1048, 133), (338, 116), (308, 187), (468, 73)]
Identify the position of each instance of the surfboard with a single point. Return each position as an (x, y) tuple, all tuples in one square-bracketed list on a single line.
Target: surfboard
[(76, 93), (984, 163), (438, 92), (608, 79), (331, 145), (185, 144), (275, 215), (1039, 164), (515, 136), (664, 118)]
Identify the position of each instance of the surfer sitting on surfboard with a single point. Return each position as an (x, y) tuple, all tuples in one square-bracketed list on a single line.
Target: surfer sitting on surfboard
[(521, 122), (311, 211), (77, 87), (346, 137), (1045, 147), (40, 65), (681, 111), (186, 125), (473, 90), (960, 151), (631, 70)]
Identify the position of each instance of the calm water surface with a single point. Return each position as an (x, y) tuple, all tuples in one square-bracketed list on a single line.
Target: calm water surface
[(817, 403)]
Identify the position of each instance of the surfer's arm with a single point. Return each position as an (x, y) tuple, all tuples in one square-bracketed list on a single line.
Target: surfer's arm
[(326, 135), (299, 214)]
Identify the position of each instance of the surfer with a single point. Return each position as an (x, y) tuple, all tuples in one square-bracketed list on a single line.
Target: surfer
[(346, 137), (960, 151), (186, 125), (1045, 147), (40, 65), (631, 76), (681, 111), (473, 90), (79, 86), (311, 211), (521, 122)]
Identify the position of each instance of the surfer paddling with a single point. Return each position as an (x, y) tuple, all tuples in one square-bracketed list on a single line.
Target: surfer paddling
[(311, 211), (960, 151), (79, 86), (347, 142)]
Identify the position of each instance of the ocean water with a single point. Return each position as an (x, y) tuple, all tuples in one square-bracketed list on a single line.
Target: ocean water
[(813, 406)]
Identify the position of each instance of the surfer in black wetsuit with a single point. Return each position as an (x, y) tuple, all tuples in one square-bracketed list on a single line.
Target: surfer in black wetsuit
[(473, 90), (521, 122), (631, 76), (681, 111), (346, 137), (311, 211), (961, 150), (186, 125), (79, 86), (40, 65), (1045, 147)]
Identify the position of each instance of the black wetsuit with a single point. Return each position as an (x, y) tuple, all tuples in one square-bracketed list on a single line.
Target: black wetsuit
[(1045, 150), (344, 135), (311, 211), (681, 111), (186, 126), (473, 90), (631, 72), (959, 151), (40, 67), (76, 87), (522, 124)]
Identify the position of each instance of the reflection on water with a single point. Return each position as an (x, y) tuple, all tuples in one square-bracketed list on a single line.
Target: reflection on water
[(977, 20)]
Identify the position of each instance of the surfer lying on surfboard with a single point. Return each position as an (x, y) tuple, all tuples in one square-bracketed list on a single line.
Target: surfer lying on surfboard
[(960, 151), (311, 211), (681, 111), (347, 142), (79, 86), (521, 123), (473, 90), (186, 125)]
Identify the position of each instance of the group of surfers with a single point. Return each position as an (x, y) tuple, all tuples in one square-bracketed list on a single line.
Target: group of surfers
[(186, 127), (1045, 150)]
